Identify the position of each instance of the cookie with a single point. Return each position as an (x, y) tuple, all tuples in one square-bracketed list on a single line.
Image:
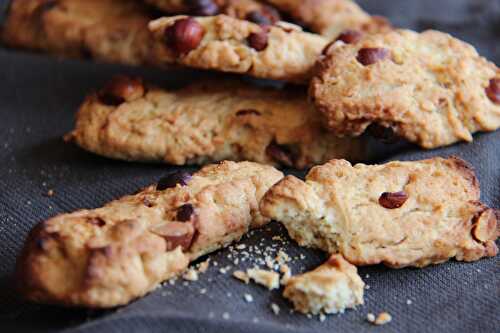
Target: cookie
[(205, 122), (399, 214), (429, 88), (251, 10), (281, 51), (106, 257), (330, 18), (331, 288), (105, 30)]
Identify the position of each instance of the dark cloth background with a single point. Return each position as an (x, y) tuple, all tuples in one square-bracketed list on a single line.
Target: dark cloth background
[(38, 98)]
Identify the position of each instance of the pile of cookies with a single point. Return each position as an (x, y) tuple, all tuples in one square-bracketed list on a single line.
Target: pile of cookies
[(362, 75)]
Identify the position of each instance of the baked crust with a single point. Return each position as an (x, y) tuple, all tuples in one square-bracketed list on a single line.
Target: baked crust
[(109, 256), (289, 55), (342, 208), (105, 30), (208, 121), (236, 8), (431, 89), (330, 288), (331, 17)]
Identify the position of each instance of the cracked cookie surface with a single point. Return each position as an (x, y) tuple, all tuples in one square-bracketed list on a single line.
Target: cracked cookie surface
[(208, 121), (331, 17), (109, 256), (429, 88), (332, 287), (105, 30), (281, 51), (399, 214)]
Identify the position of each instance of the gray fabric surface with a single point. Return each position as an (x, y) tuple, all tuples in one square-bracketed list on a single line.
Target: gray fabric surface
[(37, 102)]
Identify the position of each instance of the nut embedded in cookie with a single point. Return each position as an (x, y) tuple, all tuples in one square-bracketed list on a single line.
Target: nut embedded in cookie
[(209, 121), (109, 256), (399, 214), (281, 51), (430, 88), (104, 30)]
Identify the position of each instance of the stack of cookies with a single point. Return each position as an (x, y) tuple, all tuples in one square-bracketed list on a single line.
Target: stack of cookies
[(343, 73)]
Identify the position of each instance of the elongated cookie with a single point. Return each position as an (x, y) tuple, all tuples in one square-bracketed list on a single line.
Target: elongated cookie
[(106, 30), (207, 121), (330, 288), (399, 214), (430, 88), (251, 10), (331, 17), (281, 51), (111, 255)]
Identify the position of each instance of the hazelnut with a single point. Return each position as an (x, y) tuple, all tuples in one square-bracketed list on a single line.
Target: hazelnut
[(485, 226), (171, 180), (175, 234), (202, 7), (370, 56), (121, 89), (281, 154), (184, 35), (185, 212), (258, 41), (350, 36), (392, 200), (493, 91)]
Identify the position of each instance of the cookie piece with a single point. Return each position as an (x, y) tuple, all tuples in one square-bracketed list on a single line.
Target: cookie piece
[(331, 17), (251, 10), (105, 30), (205, 122), (281, 51), (399, 214), (430, 88), (330, 288), (109, 256)]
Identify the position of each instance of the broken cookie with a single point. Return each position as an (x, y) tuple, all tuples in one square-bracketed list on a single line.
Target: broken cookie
[(399, 214), (109, 256)]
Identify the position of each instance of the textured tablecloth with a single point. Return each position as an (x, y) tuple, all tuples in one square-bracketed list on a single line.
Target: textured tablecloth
[(38, 98)]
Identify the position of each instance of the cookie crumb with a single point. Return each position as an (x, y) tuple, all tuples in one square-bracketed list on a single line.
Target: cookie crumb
[(248, 298), (382, 319), (287, 273), (269, 279), (240, 275), (191, 275), (275, 308), (224, 270), (50, 193), (282, 257), (203, 267)]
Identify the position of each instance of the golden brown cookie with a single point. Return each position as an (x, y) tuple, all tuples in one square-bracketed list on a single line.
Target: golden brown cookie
[(399, 214), (109, 256), (430, 88), (281, 51), (208, 121), (105, 30), (252, 10), (331, 17), (331, 288)]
